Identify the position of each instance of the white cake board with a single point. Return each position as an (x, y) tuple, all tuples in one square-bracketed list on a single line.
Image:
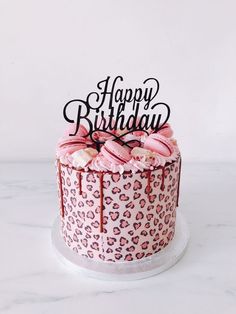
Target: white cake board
[(131, 270)]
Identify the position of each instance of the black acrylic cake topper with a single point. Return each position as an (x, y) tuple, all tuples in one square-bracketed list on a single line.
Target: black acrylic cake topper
[(121, 110)]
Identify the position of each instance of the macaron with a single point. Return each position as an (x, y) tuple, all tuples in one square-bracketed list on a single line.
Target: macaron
[(115, 153), (82, 131), (166, 130), (69, 145), (159, 144)]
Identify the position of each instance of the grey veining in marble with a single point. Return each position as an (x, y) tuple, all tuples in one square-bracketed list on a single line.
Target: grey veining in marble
[(32, 280)]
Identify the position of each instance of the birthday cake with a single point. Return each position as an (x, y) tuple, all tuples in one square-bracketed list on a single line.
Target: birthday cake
[(118, 181)]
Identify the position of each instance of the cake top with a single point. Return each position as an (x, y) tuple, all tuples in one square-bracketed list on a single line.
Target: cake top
[(118, 129), (138, 151)]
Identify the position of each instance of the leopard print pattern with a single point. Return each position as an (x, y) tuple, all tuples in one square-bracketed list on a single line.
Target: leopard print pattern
[(136, 224)]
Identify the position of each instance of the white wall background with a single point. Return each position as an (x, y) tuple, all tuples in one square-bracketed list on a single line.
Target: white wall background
[(53, 51)]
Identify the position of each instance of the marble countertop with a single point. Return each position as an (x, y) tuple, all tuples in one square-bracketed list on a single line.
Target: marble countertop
[(33, 280)]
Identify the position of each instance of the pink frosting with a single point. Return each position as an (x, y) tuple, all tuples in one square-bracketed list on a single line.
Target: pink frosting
[(67, 144)]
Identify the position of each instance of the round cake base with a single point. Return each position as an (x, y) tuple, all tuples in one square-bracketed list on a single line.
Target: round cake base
[(131, 270)]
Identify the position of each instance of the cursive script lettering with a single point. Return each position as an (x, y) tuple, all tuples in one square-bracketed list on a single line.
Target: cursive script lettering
[(117, 108)]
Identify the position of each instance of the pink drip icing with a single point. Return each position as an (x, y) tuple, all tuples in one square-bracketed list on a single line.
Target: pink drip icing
[(80, 183), (148, 183), (180, 163), (60, 188), (101, 201)]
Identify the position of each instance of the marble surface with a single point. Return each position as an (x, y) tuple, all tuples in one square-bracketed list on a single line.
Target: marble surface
[(32, 279)]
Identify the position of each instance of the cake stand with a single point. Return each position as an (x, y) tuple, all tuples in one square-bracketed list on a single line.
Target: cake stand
[(132, 270)]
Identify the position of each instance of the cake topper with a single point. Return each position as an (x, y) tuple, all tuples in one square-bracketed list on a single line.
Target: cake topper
[(116, 112)]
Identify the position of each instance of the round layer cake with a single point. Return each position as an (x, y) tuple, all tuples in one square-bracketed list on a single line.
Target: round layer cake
[(118, 211)]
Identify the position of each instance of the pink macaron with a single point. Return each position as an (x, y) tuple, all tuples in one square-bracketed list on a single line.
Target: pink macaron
[(82, 131), (159, 144), (166, 130), (70, 144), (115, 153)]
